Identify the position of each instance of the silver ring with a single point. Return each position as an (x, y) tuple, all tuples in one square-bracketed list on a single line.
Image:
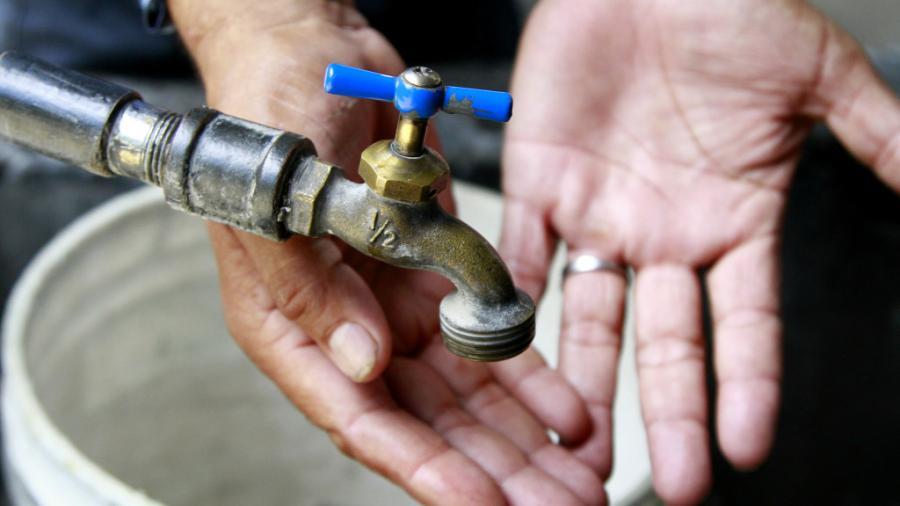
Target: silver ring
[(590, 263)]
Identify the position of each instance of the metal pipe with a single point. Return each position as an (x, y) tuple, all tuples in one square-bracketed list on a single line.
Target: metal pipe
[(58, 113), (210, 164), (137, 136), (410, 137), (269, 182)]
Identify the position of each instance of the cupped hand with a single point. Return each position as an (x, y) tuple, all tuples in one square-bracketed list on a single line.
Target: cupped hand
[(354, 342), (663, 134)]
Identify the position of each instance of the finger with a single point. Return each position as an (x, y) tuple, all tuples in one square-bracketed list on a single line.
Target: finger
[(671, 373), (545, 393), (492, 405), (477, 391), (422, 390), (589, 353), (413, 320), (361, 419), (743, 287), (858, 105), (311, 286), (526, 244)]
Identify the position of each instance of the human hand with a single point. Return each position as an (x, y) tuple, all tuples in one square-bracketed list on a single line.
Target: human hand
[(663, 134), (324, 322)]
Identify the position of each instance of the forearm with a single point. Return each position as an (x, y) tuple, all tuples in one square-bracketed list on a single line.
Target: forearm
[(198, 20)]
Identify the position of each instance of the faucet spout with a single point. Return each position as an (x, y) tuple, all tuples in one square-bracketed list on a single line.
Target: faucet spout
[(486, 318)]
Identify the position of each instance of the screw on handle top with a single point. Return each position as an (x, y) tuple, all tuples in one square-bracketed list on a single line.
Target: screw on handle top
[(418, 92)]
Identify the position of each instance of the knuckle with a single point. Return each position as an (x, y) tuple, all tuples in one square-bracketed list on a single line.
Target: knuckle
[(299, 300), (668, 350), (340, 442), (591, 333)]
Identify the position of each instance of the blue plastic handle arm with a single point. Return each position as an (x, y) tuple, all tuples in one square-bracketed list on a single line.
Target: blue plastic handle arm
[(353, 82), (484, 104)]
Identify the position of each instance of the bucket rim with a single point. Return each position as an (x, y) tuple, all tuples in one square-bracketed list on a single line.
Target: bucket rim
[(17, 387)]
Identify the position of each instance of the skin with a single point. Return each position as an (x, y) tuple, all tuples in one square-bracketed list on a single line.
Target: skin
[(446, 430), (663, 134), (668, 144)]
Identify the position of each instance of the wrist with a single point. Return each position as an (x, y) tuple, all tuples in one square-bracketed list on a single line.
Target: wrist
[(233, 40), (211, 29)]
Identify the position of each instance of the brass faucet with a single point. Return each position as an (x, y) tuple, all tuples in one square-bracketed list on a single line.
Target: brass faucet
[(270, 182)]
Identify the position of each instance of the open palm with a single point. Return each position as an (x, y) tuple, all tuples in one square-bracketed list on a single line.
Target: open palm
[(663, 134)]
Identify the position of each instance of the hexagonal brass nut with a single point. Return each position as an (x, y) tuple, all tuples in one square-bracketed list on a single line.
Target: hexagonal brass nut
[(306, 188), (397, 177)]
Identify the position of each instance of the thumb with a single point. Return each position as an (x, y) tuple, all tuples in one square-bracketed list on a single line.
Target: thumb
[(858, 105), (307, 281)]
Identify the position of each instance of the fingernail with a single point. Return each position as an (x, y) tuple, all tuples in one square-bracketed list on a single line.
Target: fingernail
[(354, 350)]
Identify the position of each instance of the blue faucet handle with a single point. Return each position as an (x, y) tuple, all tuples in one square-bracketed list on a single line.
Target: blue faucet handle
[(419, 92)]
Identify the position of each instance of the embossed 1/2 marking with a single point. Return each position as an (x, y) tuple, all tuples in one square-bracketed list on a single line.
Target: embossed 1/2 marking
[(381, 231)]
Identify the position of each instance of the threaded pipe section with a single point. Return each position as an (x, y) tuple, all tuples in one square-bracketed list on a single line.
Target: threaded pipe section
[(158, 144), (487, 332), (488, 346)]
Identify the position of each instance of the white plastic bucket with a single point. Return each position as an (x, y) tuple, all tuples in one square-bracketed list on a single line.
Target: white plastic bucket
[(122, 385)]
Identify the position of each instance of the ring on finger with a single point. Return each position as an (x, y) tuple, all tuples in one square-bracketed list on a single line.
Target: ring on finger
[(591, 263)]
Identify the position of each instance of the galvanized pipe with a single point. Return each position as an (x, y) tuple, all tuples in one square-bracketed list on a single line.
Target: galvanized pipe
[(58, 113)]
